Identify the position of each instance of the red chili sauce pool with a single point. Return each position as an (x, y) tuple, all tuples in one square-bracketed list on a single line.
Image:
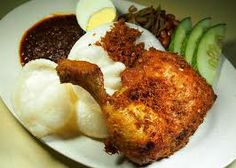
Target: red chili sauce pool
[(52, 38)]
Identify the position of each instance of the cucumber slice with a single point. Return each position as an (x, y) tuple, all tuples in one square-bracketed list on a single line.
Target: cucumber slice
[(209, 52), (193, 38), (179, 35)]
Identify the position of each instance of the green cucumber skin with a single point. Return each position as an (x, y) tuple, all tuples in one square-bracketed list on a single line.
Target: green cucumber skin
[(192, 40), (171, 45), (209, 51), (184, 45), (179, 35)]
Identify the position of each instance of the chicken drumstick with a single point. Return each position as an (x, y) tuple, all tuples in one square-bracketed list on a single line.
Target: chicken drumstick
[(160, 105)]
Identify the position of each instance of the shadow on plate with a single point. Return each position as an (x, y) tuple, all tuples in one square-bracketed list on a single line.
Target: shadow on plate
[(229, 50)]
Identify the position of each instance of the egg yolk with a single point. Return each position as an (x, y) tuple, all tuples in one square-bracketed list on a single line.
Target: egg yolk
[(105, 15)]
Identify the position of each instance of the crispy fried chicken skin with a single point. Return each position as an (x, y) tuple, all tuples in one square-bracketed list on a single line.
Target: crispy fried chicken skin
[(160, 105)]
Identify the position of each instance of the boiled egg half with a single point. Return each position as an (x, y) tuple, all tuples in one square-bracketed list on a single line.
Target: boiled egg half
[(93, 13)]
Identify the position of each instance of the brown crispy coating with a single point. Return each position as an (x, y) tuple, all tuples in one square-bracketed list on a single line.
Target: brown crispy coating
[(160, 105), (87, 75), (120, 43)]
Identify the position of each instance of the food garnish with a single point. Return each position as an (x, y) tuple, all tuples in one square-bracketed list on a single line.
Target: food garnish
[(201, 46), (120, 44), (177, 39), (91, 14), (156, 20), (207, 57), (192, 39)]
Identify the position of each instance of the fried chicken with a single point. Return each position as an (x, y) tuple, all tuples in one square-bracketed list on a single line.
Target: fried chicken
[(160, 105)]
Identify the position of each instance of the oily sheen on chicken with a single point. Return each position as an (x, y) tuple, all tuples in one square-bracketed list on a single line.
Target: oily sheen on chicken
[(160, 105)]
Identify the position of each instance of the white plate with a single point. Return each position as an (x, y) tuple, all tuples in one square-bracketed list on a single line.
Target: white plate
[(212, 146)]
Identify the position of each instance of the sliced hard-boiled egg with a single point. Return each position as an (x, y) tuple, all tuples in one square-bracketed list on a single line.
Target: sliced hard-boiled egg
[(43, 104), (91, 13)]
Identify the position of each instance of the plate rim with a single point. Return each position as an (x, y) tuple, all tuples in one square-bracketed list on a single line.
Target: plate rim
[(12, 111)]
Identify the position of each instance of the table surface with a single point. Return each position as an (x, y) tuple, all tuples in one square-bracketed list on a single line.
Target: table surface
[(18, 149)]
